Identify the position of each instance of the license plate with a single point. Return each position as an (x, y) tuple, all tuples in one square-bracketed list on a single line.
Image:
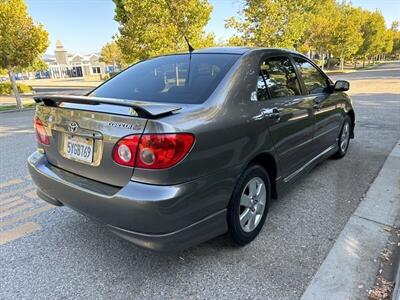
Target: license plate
[(79, 148)]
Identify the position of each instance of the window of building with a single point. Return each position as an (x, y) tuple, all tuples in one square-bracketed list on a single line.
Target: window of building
[(96, 70)]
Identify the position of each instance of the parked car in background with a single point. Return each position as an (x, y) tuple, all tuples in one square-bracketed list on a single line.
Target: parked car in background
[(181, 148)]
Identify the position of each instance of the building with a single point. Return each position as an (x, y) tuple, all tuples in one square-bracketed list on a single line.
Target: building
[(65, 64)]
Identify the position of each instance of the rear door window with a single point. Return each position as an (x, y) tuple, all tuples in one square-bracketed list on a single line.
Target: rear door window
[(313, 80), (172, 78), (280, 77)]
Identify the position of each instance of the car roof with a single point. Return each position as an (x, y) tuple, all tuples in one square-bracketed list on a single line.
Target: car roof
[(242, 50)]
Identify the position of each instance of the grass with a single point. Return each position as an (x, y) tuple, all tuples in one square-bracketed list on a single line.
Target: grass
[(14, 107)]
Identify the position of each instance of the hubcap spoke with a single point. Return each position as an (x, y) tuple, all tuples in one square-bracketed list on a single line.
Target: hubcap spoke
[(253, 188), (252, 222), (260, 207), (259, 189), (245, 201), (245, 216)]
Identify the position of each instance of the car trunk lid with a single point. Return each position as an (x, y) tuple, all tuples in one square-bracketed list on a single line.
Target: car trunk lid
[(84, 130)]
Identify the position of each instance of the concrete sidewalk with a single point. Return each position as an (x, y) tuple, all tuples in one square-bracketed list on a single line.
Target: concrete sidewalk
[(351, 267)]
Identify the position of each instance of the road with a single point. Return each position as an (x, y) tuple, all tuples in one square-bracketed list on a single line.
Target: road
[(48, 252)]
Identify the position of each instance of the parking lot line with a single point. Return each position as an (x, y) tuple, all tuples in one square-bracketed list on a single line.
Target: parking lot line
[(7, 206), (26, 215), (4, 196), (31, 194), (10, 182), (9, 200), (18, 232), (15, 210)]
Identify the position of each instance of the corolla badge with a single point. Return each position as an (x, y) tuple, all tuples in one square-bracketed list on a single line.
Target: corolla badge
[(73, 127)]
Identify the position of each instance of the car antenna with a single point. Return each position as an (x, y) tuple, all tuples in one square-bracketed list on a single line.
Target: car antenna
[(191, 49)]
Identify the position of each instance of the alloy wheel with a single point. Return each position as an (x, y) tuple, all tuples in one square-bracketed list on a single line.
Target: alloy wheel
[(252, 204), (344, 137)]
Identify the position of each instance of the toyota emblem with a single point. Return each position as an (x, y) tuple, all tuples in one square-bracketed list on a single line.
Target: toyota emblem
[(73, 127)]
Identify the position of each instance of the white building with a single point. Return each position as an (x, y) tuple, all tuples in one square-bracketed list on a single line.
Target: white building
[(65, 64)]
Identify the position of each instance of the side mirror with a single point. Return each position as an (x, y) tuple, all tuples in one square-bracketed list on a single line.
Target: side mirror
[(341, 86)]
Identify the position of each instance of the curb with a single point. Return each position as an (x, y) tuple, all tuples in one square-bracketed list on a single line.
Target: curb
[(396, 291), (352, 265)]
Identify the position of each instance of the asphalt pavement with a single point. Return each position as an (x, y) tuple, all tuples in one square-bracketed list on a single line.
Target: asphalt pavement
[(48, 252)]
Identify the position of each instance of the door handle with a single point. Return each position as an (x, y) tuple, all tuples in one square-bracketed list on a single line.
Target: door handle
[(272, 113)]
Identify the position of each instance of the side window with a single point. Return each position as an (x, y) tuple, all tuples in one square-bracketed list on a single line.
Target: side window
[(280, 77), (314, 81)]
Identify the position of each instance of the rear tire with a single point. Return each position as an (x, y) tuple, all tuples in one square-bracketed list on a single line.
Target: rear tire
[(248, 207), (344, 138)]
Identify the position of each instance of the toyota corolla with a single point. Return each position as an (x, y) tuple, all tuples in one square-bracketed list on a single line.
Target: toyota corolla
[(178, 149)]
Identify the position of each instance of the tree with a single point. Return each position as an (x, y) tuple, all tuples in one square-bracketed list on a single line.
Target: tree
[(373, 34), (21, 40), (111, 54), (395, 29), (324, 22), (37, 65), (388, 42), (154, 27), (347, 37), (271, 23)]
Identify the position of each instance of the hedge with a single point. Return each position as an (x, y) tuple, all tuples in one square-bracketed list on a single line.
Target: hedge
[(6, 88)]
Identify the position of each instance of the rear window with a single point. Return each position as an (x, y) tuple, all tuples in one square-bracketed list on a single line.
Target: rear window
[(174, 78)]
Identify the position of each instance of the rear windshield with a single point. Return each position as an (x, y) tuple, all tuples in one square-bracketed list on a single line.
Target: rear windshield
[(174, 78)]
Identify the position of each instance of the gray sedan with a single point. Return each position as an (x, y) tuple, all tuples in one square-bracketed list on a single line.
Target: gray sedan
[(181, 148)]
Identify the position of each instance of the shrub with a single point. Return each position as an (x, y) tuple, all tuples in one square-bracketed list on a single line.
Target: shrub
[(6, 88)]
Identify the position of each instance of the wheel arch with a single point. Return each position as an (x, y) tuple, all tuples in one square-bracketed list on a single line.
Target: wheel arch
[(352, 116), (268, 162)]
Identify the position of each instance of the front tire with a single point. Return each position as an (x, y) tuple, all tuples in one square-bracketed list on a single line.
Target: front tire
[(344, 139), (248, 206)]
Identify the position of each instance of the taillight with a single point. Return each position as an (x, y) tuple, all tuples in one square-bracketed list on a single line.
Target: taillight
[(124, 151), (41, 134), (153, 151)]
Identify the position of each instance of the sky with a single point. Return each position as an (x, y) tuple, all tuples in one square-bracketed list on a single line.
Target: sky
[(84, 26)]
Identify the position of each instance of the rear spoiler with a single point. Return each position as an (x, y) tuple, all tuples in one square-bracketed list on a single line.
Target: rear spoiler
[(150, 109)]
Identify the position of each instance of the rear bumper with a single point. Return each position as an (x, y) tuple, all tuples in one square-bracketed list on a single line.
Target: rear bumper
[(162, 218)]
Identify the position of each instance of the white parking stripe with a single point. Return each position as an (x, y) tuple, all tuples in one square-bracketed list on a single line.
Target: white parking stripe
[(7, 206), (18, 232), (15, 210)]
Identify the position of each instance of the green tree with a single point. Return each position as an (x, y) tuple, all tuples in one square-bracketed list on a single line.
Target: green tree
[(395, 29), (154, 27), (388, 42), (347, 37), (323, 24), (111, 54), (37, 65), (271, 23), (373, 34), (21, 40)]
